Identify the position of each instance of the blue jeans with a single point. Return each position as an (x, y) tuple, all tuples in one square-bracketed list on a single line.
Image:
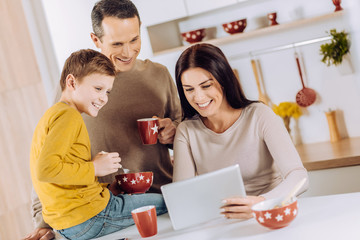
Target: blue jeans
[(116, 216)]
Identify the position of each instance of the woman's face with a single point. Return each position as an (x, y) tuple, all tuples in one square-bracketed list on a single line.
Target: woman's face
[(203, 91)]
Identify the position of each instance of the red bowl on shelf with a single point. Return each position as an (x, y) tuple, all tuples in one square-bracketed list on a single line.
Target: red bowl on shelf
[(138, 182), (194, 36), (271, 214), (235, 26)]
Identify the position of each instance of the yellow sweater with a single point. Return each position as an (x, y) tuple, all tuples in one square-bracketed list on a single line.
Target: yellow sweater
[(61, 169)]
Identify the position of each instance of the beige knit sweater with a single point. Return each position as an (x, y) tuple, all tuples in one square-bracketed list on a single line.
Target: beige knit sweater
[(257, 141)]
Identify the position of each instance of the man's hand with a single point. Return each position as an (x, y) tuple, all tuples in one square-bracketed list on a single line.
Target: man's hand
[(41, 234), (167, 130)]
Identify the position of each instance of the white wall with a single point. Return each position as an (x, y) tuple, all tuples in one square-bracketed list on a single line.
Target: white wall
[(42, 43), (70, 25)]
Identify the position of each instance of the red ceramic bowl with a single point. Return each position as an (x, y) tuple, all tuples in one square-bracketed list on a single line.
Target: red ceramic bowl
[(269, 215), (235, 27), (138, 182), (194, 36)]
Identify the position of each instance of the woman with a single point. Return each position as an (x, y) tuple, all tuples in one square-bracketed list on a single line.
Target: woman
[(221, 127)]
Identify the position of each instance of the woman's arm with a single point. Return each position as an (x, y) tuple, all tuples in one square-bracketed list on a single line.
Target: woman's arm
[(285, 155), (286, 159)]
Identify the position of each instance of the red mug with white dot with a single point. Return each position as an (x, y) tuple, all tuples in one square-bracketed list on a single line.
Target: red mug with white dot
[(148, 130)]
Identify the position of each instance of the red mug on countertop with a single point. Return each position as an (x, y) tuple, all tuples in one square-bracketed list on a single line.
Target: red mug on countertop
[(145, 220)]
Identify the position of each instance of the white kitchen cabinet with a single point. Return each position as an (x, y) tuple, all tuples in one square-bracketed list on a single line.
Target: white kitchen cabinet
[(200, 6), (333, 167), (159, 11), (333, 181)]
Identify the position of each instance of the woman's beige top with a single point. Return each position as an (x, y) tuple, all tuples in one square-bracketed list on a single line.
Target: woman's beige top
[(257, 141)]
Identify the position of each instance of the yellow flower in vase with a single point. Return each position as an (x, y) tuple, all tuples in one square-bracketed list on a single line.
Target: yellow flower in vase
[(287, 110)]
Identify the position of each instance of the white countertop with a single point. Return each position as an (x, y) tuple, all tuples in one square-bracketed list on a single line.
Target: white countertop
[(326, 217)]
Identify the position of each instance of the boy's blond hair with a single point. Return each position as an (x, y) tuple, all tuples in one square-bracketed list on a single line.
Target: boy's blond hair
[(85, 62)]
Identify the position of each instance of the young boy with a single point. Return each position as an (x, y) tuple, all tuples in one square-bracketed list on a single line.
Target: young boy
[(62, 171)]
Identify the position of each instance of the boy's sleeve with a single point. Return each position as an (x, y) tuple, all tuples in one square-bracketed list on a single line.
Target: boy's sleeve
[(64, 132)]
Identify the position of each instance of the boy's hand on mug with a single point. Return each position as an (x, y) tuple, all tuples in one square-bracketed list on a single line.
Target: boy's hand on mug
[(106, 163), (167, 130)]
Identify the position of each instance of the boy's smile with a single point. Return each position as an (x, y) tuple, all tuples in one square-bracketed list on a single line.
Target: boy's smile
[(91, 93)]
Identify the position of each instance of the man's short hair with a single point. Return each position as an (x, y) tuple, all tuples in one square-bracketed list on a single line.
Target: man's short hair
[(121, 9), (85, 62)]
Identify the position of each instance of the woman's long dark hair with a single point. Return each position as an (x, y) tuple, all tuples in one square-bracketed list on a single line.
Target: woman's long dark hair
[(213, 60)]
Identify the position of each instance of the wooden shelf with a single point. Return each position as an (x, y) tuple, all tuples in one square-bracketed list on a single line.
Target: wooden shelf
[(325, 155), (260, 32)]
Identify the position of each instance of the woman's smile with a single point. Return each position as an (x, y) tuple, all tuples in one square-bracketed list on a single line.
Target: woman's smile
[(204, 105)]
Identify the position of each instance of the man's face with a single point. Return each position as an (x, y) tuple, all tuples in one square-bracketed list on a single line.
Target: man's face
[(121, 41)]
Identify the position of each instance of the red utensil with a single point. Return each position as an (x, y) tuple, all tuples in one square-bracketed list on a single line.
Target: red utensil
[(306, 96), (337, 5)]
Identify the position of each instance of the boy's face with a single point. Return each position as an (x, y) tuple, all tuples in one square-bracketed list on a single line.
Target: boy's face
[(91, 94), (121, 41)]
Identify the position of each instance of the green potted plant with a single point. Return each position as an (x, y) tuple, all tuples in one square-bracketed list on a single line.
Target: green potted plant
[(337, 50)]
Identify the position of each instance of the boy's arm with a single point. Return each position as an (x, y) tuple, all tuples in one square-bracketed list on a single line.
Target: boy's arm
[(65, 129)]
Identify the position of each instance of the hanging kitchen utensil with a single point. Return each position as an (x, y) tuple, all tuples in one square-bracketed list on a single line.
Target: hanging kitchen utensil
[(306, 96), (262, 96)]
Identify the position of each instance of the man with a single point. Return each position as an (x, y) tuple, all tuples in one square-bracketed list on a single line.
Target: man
[(141, 89)]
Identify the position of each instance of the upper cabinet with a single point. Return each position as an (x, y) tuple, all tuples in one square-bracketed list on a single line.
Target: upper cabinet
[(159, 11), (200, 6), (165, 20)]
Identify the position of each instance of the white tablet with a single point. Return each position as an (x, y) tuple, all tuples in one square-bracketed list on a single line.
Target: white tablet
[(198, 200)]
